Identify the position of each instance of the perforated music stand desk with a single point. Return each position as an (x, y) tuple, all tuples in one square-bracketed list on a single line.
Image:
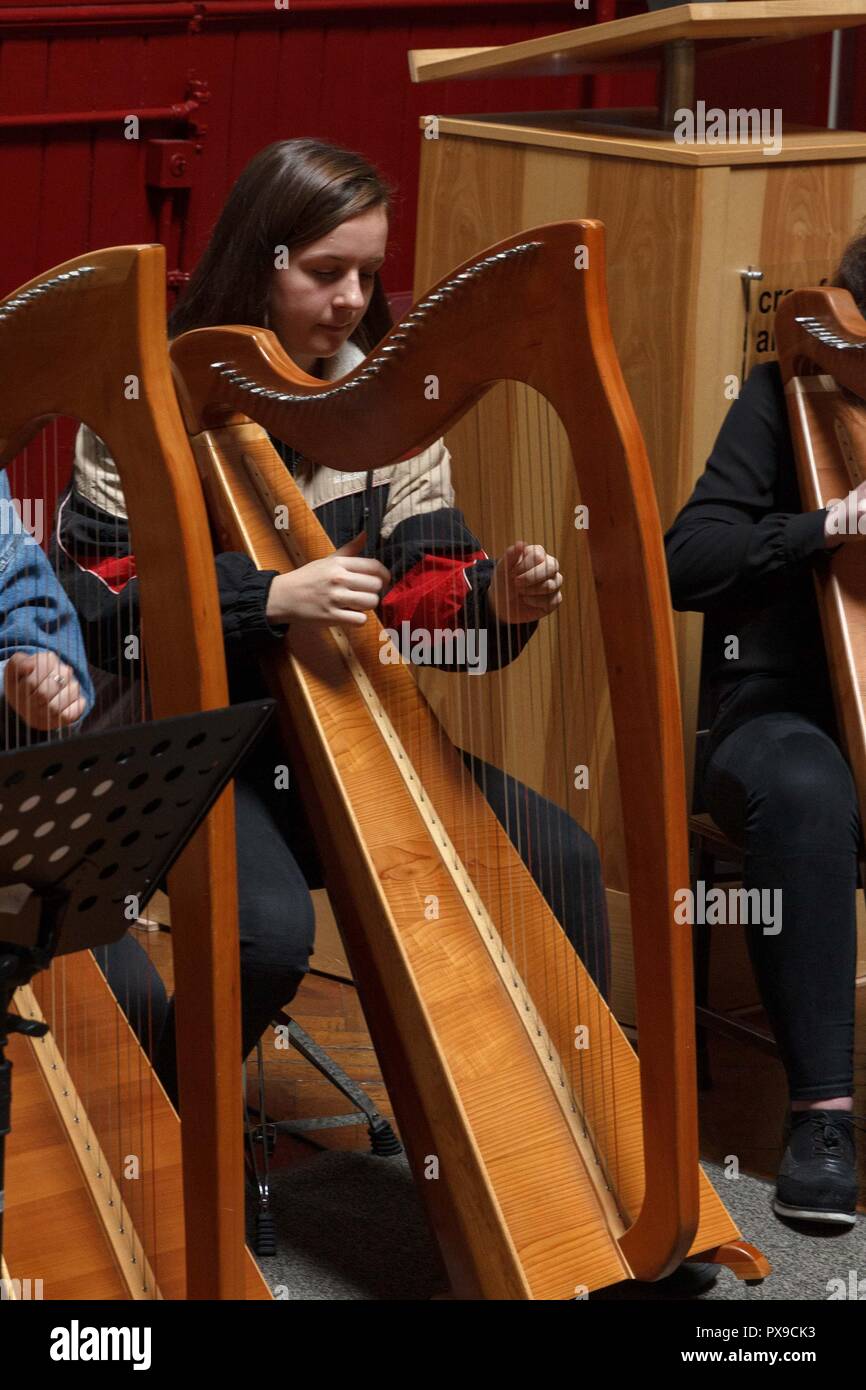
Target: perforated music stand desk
[(91, 821)]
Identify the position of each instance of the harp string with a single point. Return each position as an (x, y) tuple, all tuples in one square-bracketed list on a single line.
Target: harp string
[(565, 954), (547, 658), (526, 527), (586, 658), (560, 964), (533, 407), (561, 647), (135, 698), (591, 1073), (115, 1082)]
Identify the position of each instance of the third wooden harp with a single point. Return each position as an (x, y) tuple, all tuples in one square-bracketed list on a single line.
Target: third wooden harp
[(821, 341), (86, 343)]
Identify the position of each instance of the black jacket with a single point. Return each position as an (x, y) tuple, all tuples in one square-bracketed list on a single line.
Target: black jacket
[(91, 552), (743, 552)]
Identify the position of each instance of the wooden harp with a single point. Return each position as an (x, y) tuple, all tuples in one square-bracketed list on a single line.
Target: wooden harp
[(821, 344), (86, 342), (547, 1170)]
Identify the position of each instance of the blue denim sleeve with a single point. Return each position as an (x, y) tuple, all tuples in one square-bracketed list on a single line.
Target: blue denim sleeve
[(35, 613)]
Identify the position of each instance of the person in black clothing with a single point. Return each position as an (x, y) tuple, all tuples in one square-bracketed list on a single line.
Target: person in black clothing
[(420, 562), (744, 553)]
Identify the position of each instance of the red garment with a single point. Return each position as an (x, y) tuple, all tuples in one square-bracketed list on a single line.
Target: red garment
[(430, 594), (115, 571)]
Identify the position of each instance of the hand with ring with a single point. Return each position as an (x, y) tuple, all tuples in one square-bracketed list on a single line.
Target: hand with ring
[(43, 691)]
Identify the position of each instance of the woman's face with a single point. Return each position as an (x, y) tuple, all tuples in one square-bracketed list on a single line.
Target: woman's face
[(323, 293)]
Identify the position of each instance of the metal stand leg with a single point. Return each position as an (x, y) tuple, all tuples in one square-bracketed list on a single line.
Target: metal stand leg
[(261, 1133), (383, 1141), (260, 1137), (677, 81)]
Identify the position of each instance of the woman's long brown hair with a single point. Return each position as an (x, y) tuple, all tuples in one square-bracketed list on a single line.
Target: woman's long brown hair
[(291, 193), (850, 274)]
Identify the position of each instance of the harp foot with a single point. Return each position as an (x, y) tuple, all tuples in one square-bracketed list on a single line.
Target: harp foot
[(744, 1259)]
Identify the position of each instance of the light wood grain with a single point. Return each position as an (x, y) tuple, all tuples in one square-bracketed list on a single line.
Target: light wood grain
[(560, 54), (564, 131)]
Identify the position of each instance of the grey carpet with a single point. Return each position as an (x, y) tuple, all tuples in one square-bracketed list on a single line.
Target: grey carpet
[(351, 1226), (805, 1259)]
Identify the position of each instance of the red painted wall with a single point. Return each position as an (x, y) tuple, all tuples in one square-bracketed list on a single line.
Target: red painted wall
[(336, 69), (332, 68)]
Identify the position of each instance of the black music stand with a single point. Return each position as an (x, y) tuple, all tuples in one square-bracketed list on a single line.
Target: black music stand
[(89, 827)]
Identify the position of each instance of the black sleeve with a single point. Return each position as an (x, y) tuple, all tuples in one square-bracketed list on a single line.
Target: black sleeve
[(91, 554), (451, 596), (505, 641), (731, 535), (243, 592)]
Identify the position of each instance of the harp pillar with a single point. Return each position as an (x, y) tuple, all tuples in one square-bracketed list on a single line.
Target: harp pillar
[(703, 240)]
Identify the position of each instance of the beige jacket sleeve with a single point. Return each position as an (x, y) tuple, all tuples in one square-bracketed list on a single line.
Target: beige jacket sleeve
[(95, 474), (421, 484)]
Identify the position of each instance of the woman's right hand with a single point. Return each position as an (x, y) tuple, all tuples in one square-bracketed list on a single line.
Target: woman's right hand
[(341, 589)]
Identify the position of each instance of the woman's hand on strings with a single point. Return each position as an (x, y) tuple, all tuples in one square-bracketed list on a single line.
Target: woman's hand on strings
[(342, 588), (526, 584), (43, 690)]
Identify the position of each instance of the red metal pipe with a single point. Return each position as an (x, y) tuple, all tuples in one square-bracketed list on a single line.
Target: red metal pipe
[(55, 16), (178, 111)]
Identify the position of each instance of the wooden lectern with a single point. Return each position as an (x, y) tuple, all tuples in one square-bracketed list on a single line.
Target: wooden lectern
[(703, 239)]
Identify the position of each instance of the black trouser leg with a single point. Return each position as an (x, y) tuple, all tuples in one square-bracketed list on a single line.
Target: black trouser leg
[(779, 786), (276, 926)]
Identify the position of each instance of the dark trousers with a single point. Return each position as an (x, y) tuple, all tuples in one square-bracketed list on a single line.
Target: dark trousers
[(276, 919), (779, 786)]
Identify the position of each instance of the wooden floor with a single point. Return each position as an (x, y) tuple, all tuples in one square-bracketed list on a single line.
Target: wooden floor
[(330, 1012), (741, 1115)]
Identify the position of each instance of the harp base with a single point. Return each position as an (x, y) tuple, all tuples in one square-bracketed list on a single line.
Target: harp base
[(744, 1259)]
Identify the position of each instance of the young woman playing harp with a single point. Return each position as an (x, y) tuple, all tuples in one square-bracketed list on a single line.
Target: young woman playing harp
[(297, 249)]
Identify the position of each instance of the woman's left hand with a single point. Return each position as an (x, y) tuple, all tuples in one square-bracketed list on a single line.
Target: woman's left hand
[(43, 691), (526, 584)]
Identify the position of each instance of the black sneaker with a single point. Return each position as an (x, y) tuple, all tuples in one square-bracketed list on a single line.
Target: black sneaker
[(818, 1175)]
